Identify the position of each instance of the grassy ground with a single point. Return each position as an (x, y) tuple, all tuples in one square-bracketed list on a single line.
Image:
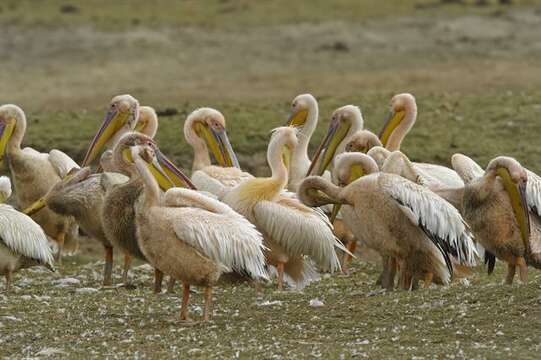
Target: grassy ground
[(476, 73)]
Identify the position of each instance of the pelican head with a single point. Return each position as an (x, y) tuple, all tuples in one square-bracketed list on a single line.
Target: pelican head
[(402, 116), (349, 167), (344, 122), (379, 154), (164, 171), (301, 108), (148, 121), (362, 141), (121, 117), (514, 179), (5, 188), (283, 142), (205, 128), (12, 119)]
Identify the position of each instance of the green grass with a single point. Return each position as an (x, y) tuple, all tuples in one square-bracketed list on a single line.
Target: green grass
[(481, 319)]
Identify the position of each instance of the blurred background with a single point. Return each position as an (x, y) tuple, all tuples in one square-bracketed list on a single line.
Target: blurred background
[(474, 67)]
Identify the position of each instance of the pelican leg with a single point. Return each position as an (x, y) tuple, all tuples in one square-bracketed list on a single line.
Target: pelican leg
[(510, 273), (207, 311), (389, 273), (158, 279), (127, 266), (280, 268), (383, 274), (171, 285), (108, 269), (523, 269), (8, 281), (258, 289), (185, 299), (351, 246), (60, 241), (428, 280)]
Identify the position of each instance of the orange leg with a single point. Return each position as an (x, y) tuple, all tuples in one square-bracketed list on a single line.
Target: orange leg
[(185, 299), (523, 269), (60, 241), (428, 280), (108, 269), (127, 265), (207, 312), (280, 268), (158, 279)]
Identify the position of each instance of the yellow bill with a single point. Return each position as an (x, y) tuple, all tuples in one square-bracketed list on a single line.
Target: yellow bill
[(297, 118), (6, 130), (355, 172), (218, 144), (393, 120)]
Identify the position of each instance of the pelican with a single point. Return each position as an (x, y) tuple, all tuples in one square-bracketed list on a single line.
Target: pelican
[(303, 116), (399, 219), (22, 242), (33, 174), (292, 230), (190, 236), (501, 205), (401, 119), (204, 130), (81, 196)]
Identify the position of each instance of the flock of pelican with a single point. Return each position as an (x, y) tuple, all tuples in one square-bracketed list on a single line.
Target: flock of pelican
[(428, 222)]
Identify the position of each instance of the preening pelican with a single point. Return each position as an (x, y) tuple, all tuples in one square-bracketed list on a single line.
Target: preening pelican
[(204, 130), (34, 174), (291, 230), (501, 205), (22, 242), (192, 237), (399, 219), (304, 117)]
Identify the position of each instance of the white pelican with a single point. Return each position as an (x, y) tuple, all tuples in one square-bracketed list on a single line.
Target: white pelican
[(345, 122), (399, 219), (500, 205), (292, 230), (190, 236), (33, 174), (401, 119), (304, 117), (22, 242), (204, 130)]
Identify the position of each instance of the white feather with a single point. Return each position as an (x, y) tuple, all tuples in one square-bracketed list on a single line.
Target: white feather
[(23, 236), (300, 230), (436, 215), (61, 162), (218, 180), (218, 231), (533, 192), (5, 186)]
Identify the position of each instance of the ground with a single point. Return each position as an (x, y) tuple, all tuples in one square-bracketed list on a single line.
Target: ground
[(476, 74)]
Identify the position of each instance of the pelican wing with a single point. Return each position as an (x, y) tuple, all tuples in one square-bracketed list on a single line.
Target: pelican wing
[(467, 169), (533, 192), (23, 236), (61, 162), (439, 220), (299, 229), (439, 174), (217, 231), (219, 180)]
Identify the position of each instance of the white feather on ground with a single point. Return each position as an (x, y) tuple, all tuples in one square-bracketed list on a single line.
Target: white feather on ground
[(218, 232), (436, 216), (23, 236)]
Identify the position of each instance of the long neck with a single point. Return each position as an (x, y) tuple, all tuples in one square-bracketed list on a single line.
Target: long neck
[(316, 191), (152, 190), (201, 157), (306, 131), (121, 165), (277, 166), (17, 136), (356, 125), (400, 132)]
